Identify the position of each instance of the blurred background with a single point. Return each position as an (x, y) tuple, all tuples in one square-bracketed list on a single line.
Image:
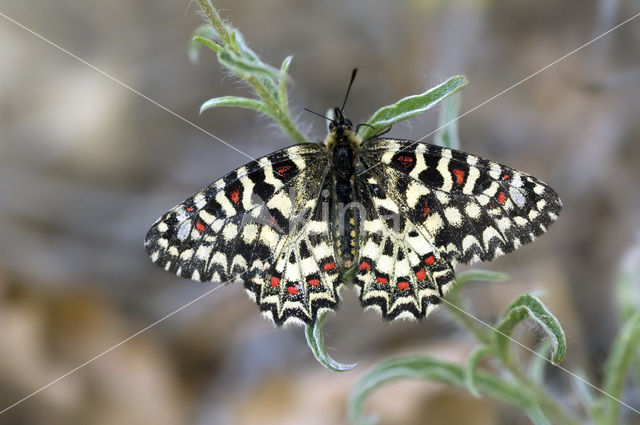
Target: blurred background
[(86, 166)]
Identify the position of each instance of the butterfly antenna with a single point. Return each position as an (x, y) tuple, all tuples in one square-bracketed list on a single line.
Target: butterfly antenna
[(320, 115), (346, 96)]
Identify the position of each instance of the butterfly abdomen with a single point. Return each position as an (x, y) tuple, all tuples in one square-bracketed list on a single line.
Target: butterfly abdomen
[(345, 218)]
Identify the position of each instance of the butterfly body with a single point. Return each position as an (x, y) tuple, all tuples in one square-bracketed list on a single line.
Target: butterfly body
[(400, 213), (343, 145)]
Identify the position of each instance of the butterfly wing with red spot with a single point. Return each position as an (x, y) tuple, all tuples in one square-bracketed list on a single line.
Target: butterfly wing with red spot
[(472, 209), (400, 271), (303, 280), (244, 226)]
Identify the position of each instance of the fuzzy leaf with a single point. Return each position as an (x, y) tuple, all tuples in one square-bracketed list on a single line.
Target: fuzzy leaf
[(537, 363), (447, 133), (283, 79), (202, 35), (410, 106), (529, 306), (246, 51), (470, 367), (623, 351), (480, 276), (241, 102), (432, 369), (473, 275), (267, 74), (315, 340), (209, 43), (245, 68), (586, 397), (348, 274)]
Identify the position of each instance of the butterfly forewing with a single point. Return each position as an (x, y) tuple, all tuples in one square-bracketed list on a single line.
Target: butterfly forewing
[(472, 208)]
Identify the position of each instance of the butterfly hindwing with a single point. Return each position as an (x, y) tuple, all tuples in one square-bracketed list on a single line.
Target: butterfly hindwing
[(246, 227), (400, 272), (304, 278)]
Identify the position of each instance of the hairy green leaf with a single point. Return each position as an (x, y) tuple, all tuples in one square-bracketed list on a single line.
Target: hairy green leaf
[(241, 102), (315, 340), (473, 275), (529, 306), (209, 43), (283, 79), (437, 370), (410, 106), (269, 75), (470, 367), (586, 397), (246, 51), (480, 276), (245, 68), (202, 35), (537, 363), (447, 133)]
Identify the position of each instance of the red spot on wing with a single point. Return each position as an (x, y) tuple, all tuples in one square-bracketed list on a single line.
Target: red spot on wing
[(364, 266), (403, 286), (426, 210), (314, 282), (200, 226), (502, 198), (235, 196), (382, 280), (421, 275), (283, 170), (275, 281), (430, 260), (190, 209), (405, 161), (330, 266), (459, 175), (293, 289), (505, 176)]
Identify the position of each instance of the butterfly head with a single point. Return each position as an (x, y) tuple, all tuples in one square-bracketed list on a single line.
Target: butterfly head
[(339, 124), (341, 132)]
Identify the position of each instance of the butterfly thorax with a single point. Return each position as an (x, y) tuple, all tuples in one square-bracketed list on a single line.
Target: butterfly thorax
[(343, 145)]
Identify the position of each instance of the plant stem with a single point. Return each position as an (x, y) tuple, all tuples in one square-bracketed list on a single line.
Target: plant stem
[(467, 321), (547, 404), (283, 119), (280, 115), (214, 17)]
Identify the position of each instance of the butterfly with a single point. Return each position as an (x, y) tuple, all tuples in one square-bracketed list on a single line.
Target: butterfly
[(397, 214)]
